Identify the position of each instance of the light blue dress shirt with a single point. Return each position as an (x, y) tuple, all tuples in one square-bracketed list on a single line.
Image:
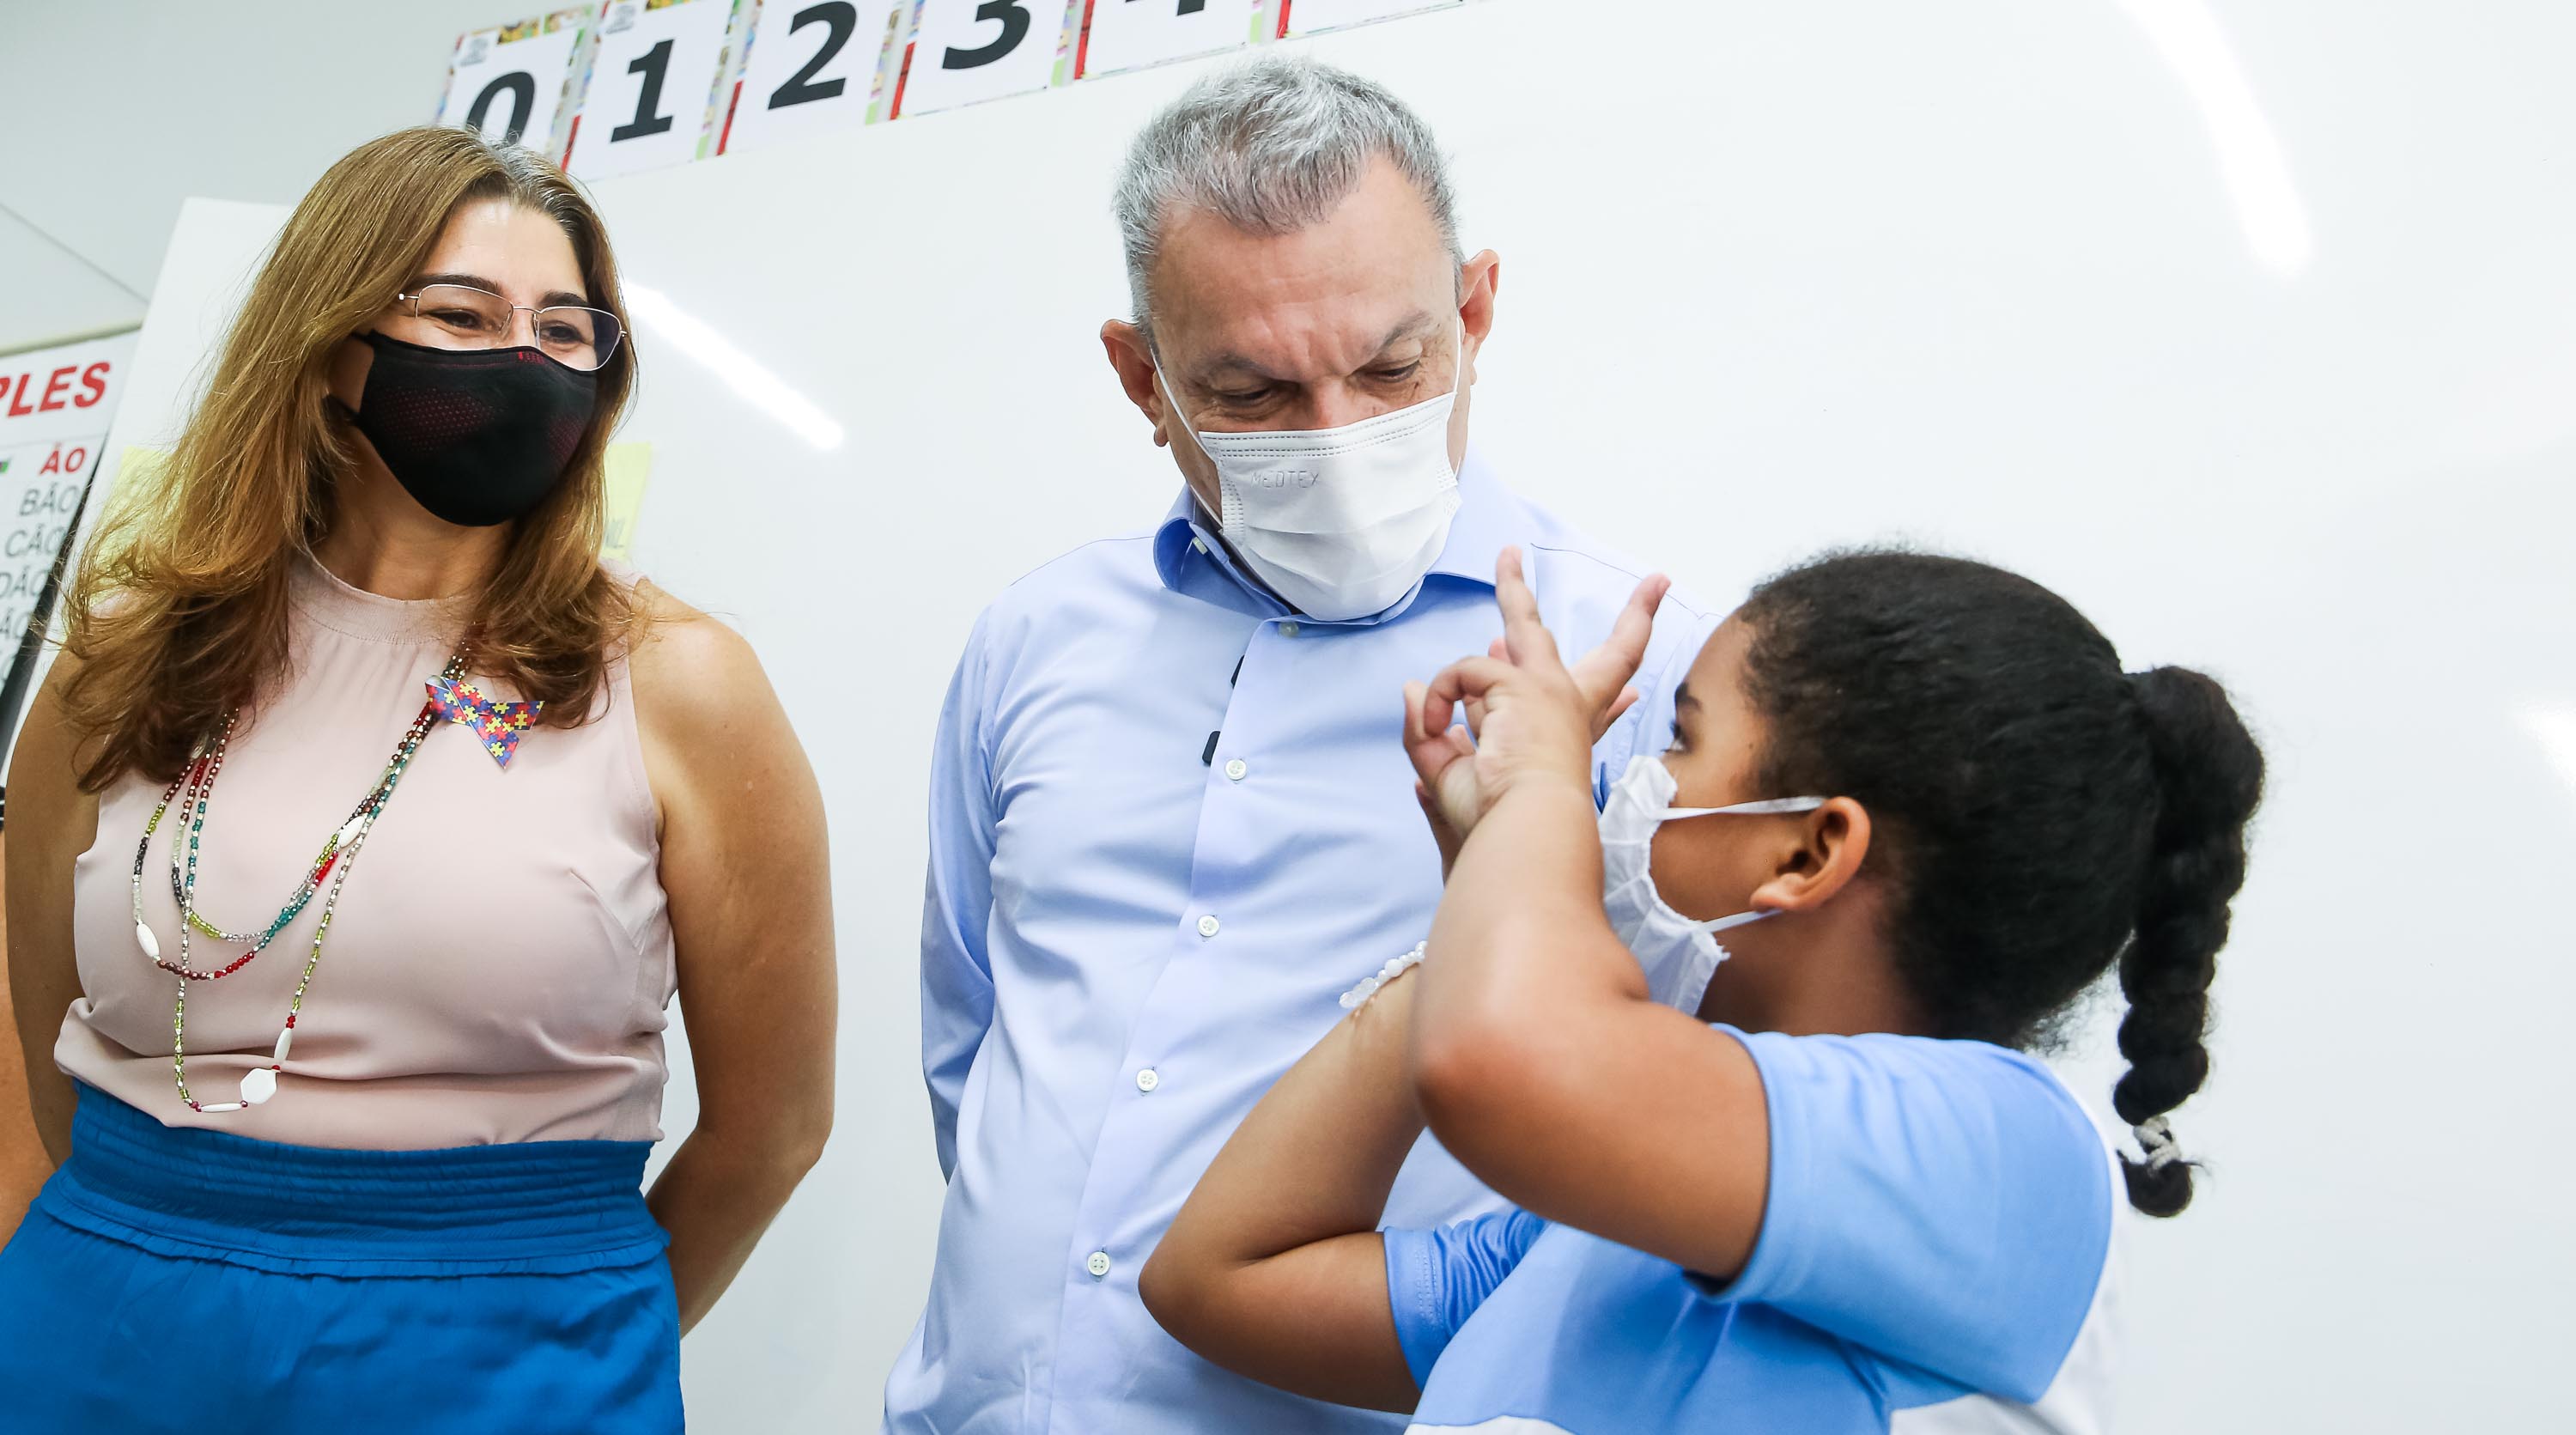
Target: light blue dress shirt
[(1171, 822)]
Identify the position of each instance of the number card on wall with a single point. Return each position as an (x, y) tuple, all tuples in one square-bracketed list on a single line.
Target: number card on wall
[(1131, 34), (513, 82), (811, 65), (963, 51), (1308, 17), (652, 86)]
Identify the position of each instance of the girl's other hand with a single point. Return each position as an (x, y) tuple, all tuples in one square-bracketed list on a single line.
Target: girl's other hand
[(1532, 716)]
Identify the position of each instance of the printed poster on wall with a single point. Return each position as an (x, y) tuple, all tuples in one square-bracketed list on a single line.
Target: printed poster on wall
[(516, 82), (54, 410)]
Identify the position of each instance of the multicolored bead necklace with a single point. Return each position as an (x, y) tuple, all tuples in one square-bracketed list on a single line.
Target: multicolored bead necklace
[(194, 790)]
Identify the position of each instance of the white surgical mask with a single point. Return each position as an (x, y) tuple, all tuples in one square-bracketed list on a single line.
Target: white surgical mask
[(1679, 955), (1341, 523)]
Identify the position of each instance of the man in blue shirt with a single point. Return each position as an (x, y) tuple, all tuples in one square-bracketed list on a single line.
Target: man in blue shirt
[(1171, 821)]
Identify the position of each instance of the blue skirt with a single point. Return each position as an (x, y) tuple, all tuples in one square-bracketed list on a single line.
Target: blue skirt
[(184, 1280)]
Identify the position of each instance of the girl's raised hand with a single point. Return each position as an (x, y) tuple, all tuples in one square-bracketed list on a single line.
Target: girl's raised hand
[(1534, 718)]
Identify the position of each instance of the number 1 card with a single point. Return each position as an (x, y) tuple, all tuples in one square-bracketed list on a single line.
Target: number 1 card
[(1131, 34), (512, 83), (652, 85), (811, 65)]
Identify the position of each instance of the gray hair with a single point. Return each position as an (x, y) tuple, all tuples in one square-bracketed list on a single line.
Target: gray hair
[(1270, 147)]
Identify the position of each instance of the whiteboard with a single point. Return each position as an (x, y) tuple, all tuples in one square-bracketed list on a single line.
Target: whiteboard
[(2008, 277)]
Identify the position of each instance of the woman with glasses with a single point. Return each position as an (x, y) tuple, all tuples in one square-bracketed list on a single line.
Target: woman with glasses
[(350, 1079)]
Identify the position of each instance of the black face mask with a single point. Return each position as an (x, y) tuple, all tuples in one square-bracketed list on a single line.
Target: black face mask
[(478, 436)]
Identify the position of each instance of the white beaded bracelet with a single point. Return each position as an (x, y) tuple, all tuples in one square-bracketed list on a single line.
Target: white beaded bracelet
[(1368, 986)]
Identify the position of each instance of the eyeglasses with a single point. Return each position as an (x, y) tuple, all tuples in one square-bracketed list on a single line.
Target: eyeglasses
[(458, 316)]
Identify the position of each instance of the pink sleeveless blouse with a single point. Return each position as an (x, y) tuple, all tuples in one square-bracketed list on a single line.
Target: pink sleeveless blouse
[(500, 961)]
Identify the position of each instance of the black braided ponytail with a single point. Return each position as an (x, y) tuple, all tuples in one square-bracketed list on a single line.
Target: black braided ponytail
[(2040, 814), (2209, 775)]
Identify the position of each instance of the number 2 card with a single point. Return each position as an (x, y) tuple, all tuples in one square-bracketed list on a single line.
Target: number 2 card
[(811, 65)]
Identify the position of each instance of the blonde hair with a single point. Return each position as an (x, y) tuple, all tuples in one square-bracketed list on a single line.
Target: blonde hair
[(179, 611)]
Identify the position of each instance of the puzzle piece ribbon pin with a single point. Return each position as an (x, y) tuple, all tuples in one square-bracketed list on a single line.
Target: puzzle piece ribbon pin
[(497, 725)]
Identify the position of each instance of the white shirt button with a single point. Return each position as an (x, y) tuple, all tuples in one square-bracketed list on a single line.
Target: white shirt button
[(1199, 543), (1207, 925), (1235, 769), (1098, 1265), (1148, 1079), (1288, 629)]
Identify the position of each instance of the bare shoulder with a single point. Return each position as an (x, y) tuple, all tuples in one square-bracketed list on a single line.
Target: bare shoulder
[(695, 679)]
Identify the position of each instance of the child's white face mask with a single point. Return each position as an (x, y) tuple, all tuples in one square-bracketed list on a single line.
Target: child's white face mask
[(1679, 955)]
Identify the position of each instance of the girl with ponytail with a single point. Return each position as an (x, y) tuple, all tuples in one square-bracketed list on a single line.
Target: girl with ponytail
[(1804, 1181)]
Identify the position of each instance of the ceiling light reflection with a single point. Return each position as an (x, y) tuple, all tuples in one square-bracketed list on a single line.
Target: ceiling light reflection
[(2554, 728), (746, 375), (2249, 151)]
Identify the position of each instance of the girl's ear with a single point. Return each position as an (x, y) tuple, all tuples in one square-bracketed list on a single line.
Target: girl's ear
[(1830, 847)]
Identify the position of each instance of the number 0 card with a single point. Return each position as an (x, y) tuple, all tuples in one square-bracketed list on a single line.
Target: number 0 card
[(513, 82)]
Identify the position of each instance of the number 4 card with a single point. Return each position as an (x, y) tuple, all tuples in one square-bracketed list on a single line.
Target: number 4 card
[(811, 65), (652, 85), (1307, 17), (1131, 34)]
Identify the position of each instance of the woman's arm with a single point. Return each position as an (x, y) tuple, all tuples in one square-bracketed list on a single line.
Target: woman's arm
[(1274, 1268), (56, 822), (1538, 1058), (23, 1162), (749, 879)]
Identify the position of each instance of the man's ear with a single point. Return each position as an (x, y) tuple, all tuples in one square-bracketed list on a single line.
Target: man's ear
[(1478, 280), (1823, 859), (1133, 359)]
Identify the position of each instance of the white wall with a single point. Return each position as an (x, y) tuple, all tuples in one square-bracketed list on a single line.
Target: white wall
[(1973, 274)]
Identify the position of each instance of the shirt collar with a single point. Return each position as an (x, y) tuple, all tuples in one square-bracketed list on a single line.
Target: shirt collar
[(1490, 518)]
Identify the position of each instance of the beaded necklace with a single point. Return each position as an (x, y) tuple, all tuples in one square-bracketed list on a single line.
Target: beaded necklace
[(194, 790)]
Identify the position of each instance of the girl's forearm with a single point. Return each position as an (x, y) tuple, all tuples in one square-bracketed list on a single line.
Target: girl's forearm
[(1525, 989), (1273, 1268), (1318, 1155)]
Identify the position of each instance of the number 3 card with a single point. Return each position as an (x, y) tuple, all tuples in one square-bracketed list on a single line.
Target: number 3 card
[(509, 82), (651, 85), (811, 65), (1131, 34), (963, 51)]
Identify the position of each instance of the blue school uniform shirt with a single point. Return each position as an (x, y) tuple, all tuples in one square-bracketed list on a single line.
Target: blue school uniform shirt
[(1938, 1229)]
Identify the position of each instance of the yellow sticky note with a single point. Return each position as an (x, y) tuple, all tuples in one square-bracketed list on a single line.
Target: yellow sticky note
[(136, 469), (629, 465)]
